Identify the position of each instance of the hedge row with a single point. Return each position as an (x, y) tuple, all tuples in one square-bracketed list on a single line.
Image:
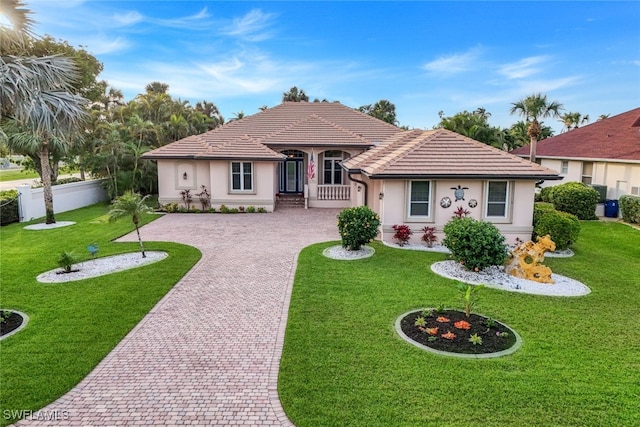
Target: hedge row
[(9, 207), (630, 208)]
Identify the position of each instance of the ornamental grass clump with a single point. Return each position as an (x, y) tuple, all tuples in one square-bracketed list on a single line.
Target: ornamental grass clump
[(475, 244), (357, 226)]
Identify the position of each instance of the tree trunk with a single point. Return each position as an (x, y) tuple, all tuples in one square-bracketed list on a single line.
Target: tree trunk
[(140, 241), (532, 149), (46, 182)]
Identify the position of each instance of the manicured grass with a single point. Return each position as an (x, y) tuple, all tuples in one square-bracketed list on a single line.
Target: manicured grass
[(343, 363), (73, 326), (15, 174)]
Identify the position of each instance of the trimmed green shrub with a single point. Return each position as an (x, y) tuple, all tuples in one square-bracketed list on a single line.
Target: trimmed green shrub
[(475, 244), (357, 226), (630, 208), (546, 194), (9, 207), (562, 227), (576, 198)]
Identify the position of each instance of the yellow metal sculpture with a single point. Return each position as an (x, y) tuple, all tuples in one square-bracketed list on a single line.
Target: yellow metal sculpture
[(526, 260)]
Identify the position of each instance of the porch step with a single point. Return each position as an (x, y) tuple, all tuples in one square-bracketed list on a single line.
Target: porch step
[(289, 201)]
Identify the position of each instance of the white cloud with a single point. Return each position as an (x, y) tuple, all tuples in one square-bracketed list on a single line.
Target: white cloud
[(128, 18), (251, 26), (455, 63), (523, 68), (101, 46)]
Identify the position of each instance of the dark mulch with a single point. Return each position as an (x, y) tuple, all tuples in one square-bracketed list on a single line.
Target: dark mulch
[(10, 323), (493, 338)]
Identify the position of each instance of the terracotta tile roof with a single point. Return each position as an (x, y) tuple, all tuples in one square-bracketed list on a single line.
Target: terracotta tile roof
[(442, 154), (313, 124), (616, 138), (242, 148)]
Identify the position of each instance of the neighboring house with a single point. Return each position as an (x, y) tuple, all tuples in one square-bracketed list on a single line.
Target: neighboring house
[(420, 178), (272, 155), (330, 155), (606, 152)]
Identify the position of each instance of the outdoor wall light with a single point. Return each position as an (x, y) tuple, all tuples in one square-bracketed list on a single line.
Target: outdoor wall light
[(359, 188), (184, 176), (381, 196)]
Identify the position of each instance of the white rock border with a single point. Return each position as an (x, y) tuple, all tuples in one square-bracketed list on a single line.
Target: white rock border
[(25, 320), (102, 266), (340, 253), (413, 247), (495, 277), (510, 350), (43, 226)]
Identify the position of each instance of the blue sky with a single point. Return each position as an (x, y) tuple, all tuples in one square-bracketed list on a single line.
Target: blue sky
[(422, 56)]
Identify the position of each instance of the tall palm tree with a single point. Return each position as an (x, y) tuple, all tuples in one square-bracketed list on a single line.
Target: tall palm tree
[(131, 205), (36, 92), (532, 109)]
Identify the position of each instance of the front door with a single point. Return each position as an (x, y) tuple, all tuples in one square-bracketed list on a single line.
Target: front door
[(291, 176)]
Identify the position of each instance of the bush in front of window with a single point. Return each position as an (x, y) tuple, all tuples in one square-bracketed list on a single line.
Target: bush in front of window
[(630, 208), (576, 198), (357, 226), (475, 244), (402, 234), (562, 227)]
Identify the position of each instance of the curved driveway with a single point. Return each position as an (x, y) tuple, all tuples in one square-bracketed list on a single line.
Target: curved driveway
[(208, 353)]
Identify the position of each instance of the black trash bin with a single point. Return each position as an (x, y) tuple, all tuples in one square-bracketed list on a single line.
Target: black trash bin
[(611, 208)]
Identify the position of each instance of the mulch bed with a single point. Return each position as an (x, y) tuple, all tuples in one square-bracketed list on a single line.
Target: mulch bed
[(495, 337), (10, 323)]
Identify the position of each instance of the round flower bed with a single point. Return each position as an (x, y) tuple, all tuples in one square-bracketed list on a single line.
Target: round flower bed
[(11, 322), (452, 333)]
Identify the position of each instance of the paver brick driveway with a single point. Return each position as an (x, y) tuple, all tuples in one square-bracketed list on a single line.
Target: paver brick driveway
[(208, 353)]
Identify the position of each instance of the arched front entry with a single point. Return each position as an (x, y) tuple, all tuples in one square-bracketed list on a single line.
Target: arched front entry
[(291, 172)]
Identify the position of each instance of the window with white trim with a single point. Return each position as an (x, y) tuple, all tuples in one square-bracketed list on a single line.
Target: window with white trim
[(333, 172), (241, 176), (419, 198), (587, 172), (497, 199), (564, 167)]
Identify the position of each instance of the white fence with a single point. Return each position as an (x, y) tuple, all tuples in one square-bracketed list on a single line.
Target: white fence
[(66, 197)]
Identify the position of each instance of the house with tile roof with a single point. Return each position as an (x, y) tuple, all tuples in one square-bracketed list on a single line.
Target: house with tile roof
[(329, 155), (419, 178), (606, 152)]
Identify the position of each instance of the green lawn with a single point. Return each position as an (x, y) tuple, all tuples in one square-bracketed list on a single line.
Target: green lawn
[(72, 326), (343, 363), (15, 174)]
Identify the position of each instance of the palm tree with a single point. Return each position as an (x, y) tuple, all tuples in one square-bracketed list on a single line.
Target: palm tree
[(573, 120), (603, 116), (533, 108), (131, 205), (295, 95), (36, 93)]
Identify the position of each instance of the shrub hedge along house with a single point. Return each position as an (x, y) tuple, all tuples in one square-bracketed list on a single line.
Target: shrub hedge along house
[(333, 156)]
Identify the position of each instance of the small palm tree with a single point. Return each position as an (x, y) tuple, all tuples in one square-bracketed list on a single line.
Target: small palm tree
[(131, 205), (532, 109)]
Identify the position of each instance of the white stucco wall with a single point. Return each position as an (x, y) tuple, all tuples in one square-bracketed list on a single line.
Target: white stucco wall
[(619, 177), (393, 208), (216, 176)]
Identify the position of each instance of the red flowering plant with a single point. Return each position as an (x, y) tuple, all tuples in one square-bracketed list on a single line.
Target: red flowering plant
[(403, 234), (429, 236)]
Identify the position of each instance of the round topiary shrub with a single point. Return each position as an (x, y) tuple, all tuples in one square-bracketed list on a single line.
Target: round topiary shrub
[(562, 227), (630, 208), (357, 226), (475, 244), (576, 198), (546, 194)]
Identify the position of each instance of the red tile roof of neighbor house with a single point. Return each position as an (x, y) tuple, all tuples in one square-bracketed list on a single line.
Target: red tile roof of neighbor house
[(616, 138), (315, 124), (442, 154)]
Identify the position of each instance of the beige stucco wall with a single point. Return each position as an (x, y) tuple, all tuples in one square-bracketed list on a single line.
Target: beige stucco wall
[(393, 208), (215, 175), (619, 177)]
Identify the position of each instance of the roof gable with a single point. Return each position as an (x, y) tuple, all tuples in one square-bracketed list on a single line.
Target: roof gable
[(442, 154), (615, 138), (290, 123)]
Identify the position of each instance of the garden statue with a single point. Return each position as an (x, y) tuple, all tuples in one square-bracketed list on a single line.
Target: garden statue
[(525, 261)]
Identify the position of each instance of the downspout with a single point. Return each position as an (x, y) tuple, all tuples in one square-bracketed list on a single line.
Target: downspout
[(366, 187)]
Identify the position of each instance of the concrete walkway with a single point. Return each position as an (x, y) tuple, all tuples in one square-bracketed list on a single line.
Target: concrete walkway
[(208, 353)]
